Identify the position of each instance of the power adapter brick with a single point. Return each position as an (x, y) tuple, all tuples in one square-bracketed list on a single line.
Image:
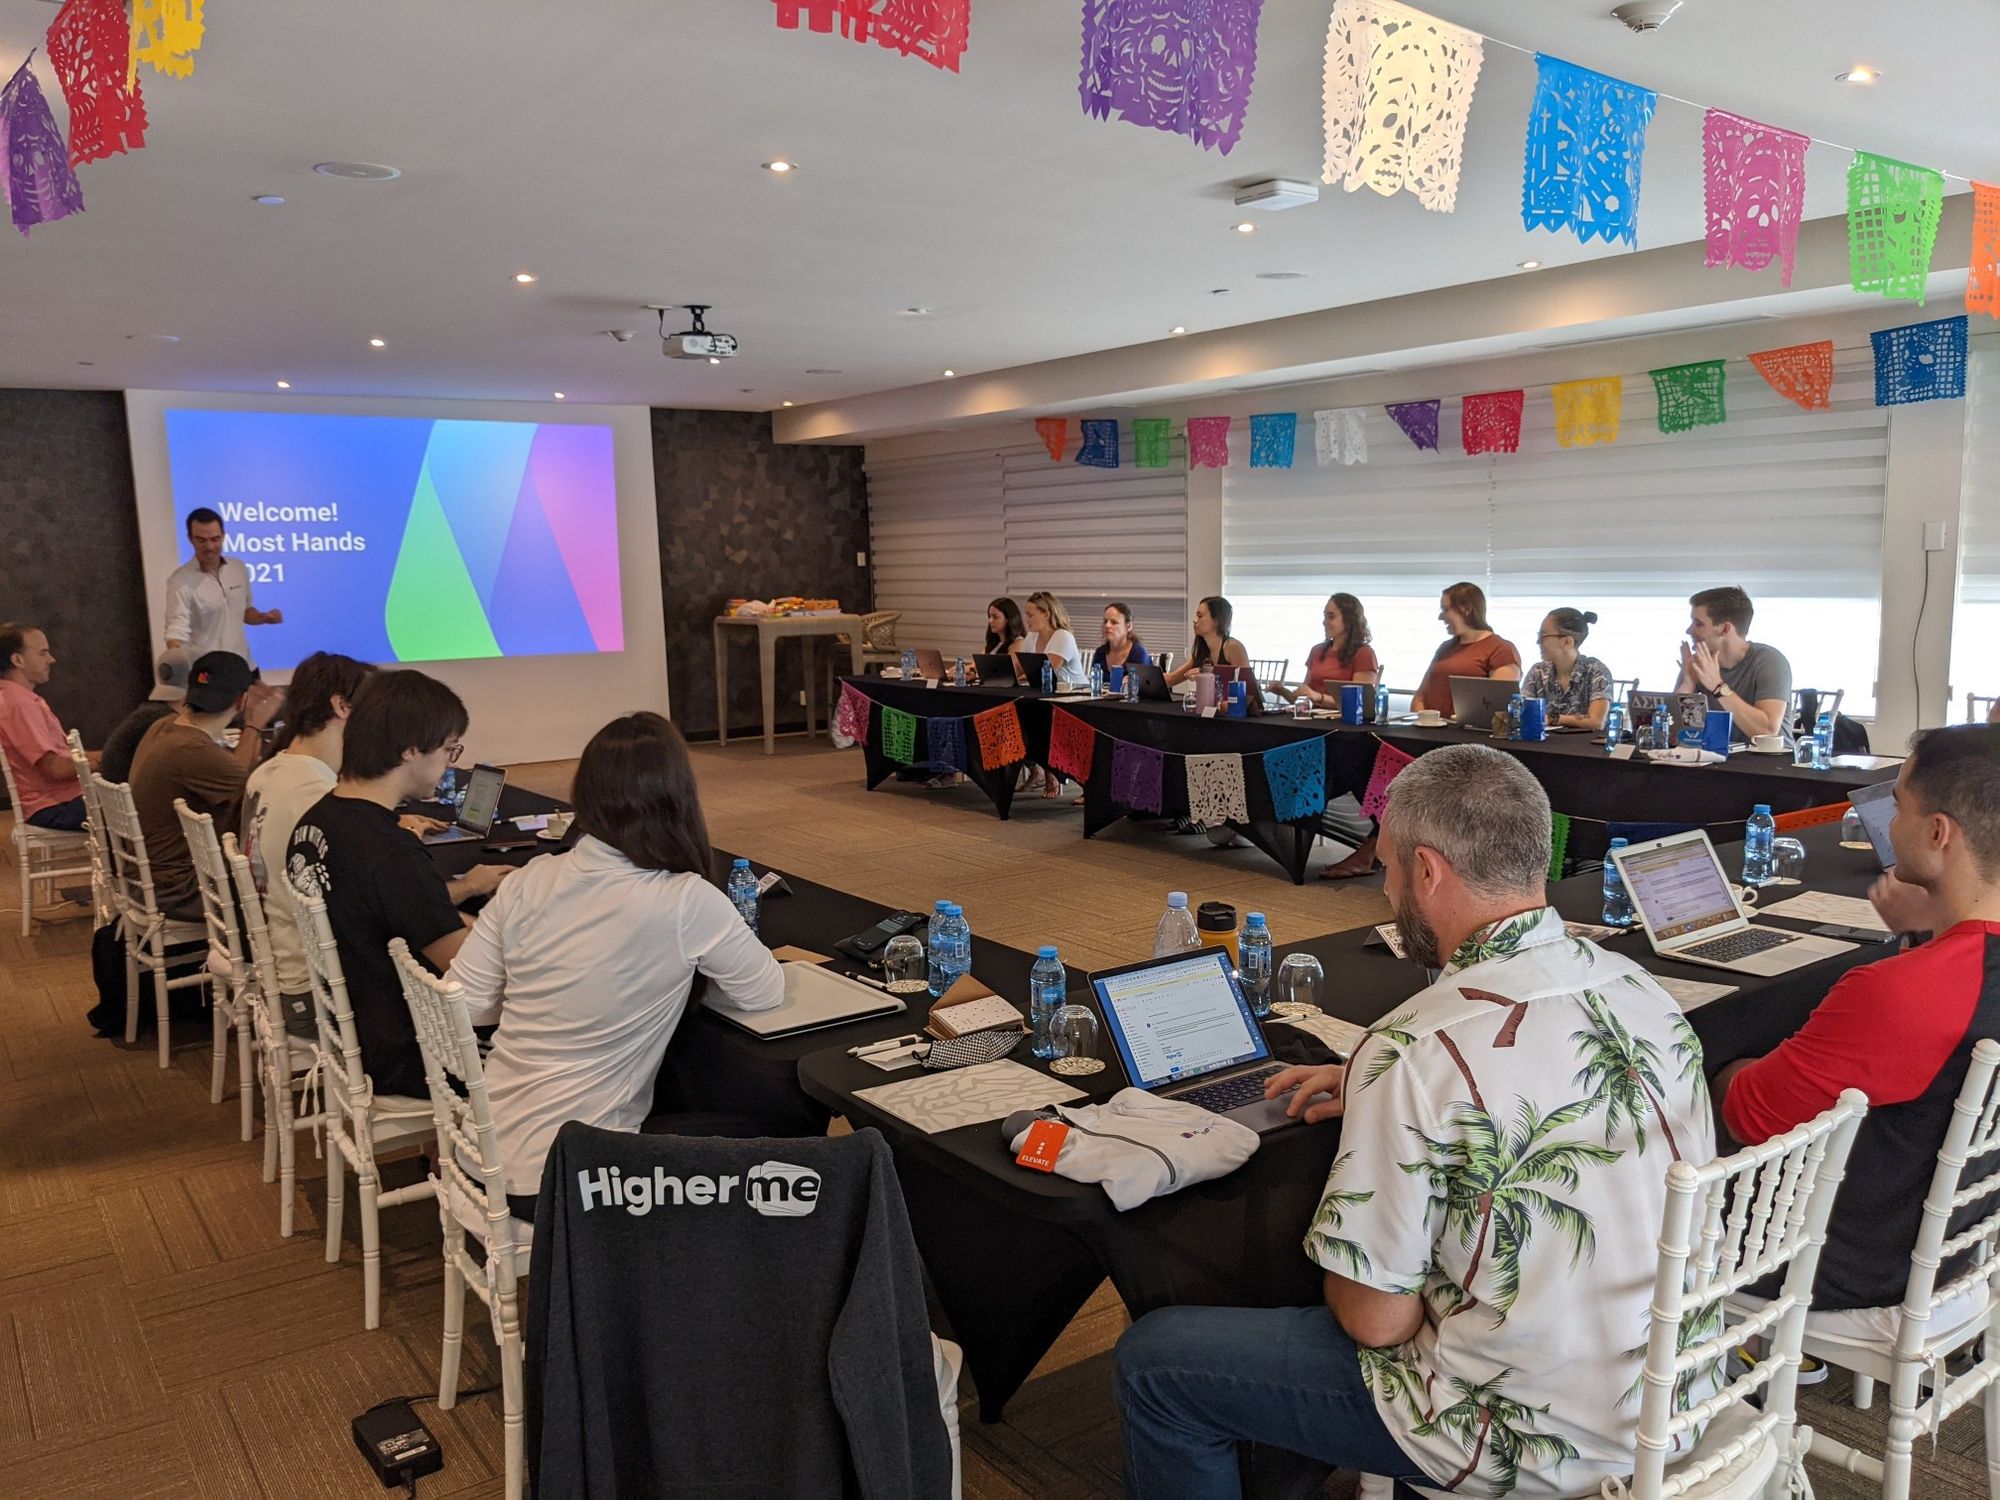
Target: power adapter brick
[(396, 1444)]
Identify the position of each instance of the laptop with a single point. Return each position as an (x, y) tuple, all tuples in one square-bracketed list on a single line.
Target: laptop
[(1689, 710), (995, 669), (1875, 804), (930, 663), (815, 997), (1691, 915), (1475, 700), (476, 813), (1152, 682), (1182, 1030)]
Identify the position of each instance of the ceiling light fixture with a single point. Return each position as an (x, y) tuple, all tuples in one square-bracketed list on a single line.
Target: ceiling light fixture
[(713, 360), (358, 171), (1246, 227), (1177, 330), (1281, 275), (780, 166), (1859, 73), (785, 403), (559, 395), (819, 371), (951, 374), (154, 338), (1528, 265), (525, 278), (378, 343), (269, 200), (284, 385), (916, 312)]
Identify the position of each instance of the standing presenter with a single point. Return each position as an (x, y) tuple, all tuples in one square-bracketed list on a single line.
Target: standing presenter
[(208, 597)]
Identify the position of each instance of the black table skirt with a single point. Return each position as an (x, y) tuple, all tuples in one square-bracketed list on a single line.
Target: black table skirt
[(1580, 778)]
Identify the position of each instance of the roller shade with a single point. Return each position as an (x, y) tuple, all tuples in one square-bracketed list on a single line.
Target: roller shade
[(938, 546), (1979, 502)]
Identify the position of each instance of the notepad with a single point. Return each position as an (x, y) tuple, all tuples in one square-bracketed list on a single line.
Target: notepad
[(1825, 906), (985, 1013)]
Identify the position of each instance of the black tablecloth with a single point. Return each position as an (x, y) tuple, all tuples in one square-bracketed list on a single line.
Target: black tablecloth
[(1580, 777), (1013, 1254)]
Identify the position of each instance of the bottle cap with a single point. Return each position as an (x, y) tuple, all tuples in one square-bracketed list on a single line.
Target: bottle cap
[(1047, 950), (741, 864), (1762, 807), (941, 905), (1621, 843), (953, 909), (1177, 900), (1254, 919)]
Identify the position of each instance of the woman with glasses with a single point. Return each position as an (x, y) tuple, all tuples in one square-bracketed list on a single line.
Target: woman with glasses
[(1577, 688), (1344, 656)]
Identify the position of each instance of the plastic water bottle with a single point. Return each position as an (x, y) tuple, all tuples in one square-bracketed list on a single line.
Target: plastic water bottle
[(933, 953), (1823, 742), (1617, 900), (1253, 963), (1614, 725), (1660, 734), (956, 933), (1176, 932), (743, 892), (1131, 686), (1096, 680), (909, 663), (1381, 703), (1514, 705), (1048, 986), (445, 788), (958, 672), (1048, 676), (1758, 834)]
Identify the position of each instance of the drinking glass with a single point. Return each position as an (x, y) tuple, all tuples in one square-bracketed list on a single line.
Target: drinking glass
[(1802, 752), (1853, 833), (1788, 862), (1073, 1034), (904, 970), (1188, 705), (1298, 986)]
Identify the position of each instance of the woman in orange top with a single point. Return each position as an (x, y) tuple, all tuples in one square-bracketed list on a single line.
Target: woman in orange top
[(1344, 656), (1472, 651)]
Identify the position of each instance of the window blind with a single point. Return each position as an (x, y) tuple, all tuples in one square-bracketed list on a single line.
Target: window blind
[(1783, 501), (1979, 502), (937, 542)]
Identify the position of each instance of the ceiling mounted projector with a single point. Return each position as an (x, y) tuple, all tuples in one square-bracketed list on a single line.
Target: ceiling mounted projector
[(696, 342), (1275, 193)]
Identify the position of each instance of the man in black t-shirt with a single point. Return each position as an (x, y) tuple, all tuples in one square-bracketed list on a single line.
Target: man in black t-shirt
[(377, 880)]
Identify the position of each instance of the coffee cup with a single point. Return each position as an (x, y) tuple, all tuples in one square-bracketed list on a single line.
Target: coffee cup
[(1746, 895), (1430, 717), (558, 825), (1768, 743)]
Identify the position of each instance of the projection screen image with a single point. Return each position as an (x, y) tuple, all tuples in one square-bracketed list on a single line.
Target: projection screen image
[(397, 539)]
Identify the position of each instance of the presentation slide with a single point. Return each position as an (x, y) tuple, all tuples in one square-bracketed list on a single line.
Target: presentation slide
[(406, 539)]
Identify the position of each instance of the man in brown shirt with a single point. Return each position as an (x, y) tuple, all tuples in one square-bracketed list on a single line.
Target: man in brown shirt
[(183, 756)]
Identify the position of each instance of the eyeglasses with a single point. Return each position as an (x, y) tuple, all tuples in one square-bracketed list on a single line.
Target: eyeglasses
[(453, 751), (1559, 635)]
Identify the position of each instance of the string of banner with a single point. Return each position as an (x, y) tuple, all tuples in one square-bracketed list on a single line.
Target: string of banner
[(1398, 92), (95, 51), (1217, 788)]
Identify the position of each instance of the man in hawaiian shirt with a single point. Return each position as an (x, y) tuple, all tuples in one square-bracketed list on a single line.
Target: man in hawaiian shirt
[(1488, 1229)]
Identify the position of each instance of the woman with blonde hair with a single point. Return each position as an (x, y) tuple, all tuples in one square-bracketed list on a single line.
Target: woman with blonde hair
[(1049, 633)]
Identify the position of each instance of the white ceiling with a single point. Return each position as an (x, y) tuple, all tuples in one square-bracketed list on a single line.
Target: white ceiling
[(613, 149)]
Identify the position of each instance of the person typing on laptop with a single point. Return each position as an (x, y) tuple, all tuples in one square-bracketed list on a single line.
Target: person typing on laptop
[(1506, 1139), (1901, 1030)]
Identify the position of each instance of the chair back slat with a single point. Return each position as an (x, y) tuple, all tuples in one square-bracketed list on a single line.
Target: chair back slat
[(13, 792), (218, 896), (333, 1015), (132, 870), (103, 885), (1760, 1212), (465, 1129)]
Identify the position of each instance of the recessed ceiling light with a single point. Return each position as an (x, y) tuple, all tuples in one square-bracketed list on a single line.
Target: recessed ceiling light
[(525, 278), (559, 395), (785, 403), (916, 312), (284, 385), (822, 372), (1218, 291), (1246, 227), (714, 361), (154, 338), (780, 166), (358, 171), (269, 200), (1177, 330), (1529, 265), (92, 362), (951, 374), (1859, 73), (378, 343), (1281, 275)]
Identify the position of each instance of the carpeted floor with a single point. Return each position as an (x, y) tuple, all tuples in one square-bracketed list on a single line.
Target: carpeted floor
[(158, 1338)]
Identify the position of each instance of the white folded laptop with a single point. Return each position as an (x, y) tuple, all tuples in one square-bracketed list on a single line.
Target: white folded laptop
[(1691, 915), (814, 997)]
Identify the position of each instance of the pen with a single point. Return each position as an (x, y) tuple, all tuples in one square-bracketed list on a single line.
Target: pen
[(886, 1046)]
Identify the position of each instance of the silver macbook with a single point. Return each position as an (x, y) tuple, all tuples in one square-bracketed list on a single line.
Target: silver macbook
[(477, 811), (1475, 700), (1691, 915), (1182, 1030)]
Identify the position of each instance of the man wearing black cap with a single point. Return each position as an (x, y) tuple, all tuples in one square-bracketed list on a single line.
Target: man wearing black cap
[(184, 756)]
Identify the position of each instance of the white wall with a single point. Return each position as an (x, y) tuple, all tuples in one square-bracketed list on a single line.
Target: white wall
[(523, 708)]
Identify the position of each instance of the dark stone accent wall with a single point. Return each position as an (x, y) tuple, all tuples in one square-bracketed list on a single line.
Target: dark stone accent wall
[(743, 516), (69, 549)]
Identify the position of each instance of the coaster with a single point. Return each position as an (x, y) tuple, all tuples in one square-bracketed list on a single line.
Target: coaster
[(1295, 1008), (1075, 1066)]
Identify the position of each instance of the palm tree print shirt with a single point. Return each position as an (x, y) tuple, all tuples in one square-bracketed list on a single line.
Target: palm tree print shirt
[(1504, 1154)]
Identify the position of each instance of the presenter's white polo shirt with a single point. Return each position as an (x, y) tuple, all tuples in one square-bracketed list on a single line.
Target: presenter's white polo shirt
[(206, 609)]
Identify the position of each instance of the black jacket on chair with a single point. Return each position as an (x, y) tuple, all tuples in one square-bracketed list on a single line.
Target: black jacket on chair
[(728, 1318)]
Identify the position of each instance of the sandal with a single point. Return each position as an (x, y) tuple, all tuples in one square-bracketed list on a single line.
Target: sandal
[(1348, 870)]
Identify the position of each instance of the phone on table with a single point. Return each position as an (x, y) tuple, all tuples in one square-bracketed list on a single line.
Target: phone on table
[(869, 944)]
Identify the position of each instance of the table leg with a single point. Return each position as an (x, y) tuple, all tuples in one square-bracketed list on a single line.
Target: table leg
[(809, 652), (721, 685), (767, 665)]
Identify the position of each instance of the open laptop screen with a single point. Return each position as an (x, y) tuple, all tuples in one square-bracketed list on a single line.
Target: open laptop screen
[(1178, 1018), (1678, 887), (482, 798)]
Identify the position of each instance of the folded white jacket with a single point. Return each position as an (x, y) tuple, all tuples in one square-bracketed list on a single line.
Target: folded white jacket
[(1139, 1147)]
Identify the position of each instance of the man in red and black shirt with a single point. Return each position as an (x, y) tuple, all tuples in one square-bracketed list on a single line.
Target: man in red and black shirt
[(1901, 1030)]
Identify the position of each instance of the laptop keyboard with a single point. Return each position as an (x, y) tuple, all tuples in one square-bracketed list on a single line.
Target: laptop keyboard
[(1229, 1093), (1740, 945)]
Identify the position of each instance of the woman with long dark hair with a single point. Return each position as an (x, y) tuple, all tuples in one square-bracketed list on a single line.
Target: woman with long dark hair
[(1005, 629), (586, 959), (1213, 645), (1470, 650), (1344, 656)]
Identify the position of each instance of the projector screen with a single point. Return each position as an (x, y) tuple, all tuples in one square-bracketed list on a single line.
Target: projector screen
[(404, 539), (510, 549)]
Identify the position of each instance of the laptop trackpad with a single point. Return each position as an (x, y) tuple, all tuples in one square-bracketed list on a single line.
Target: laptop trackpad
[(1266, 1115)]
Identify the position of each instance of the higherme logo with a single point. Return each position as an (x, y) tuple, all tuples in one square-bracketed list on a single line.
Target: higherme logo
[(776, 1189)]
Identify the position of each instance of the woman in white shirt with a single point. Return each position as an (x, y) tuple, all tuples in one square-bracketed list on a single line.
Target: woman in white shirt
[(585, 959), (1049, 633)]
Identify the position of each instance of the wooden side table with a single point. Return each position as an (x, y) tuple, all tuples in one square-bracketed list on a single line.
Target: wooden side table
[(769, 630)]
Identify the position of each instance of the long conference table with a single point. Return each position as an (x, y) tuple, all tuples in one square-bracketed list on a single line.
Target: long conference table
[(1582, 780), (1013, 1254)]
